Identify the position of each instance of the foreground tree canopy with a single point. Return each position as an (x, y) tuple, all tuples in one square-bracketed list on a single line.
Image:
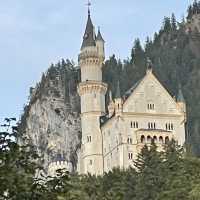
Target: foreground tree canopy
[(170, 175)]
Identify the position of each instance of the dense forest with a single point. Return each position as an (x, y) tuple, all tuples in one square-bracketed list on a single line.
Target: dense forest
[(170, 175)]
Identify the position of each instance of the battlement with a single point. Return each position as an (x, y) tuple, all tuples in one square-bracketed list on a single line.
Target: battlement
[(92, 86)]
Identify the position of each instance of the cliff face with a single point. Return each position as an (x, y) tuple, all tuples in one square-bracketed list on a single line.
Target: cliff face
[(51, 120)]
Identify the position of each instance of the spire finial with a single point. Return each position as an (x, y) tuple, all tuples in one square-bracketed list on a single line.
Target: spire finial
[(88, 5)]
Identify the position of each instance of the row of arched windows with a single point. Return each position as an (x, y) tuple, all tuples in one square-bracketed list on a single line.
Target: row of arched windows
[(155, 139)]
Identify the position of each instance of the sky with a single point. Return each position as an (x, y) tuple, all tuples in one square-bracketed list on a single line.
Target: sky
[(34, 34)]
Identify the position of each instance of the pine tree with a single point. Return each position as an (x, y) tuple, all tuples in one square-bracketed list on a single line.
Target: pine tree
[(148, 165)]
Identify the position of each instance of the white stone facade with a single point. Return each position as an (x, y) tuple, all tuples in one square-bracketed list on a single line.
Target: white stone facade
[(147, 112)]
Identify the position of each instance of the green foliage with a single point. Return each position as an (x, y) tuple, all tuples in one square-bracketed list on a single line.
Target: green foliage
[(168, 175), (17, 166)]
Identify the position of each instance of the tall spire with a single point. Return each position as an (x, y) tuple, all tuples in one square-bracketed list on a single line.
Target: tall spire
[(89, 4), (89, 35)]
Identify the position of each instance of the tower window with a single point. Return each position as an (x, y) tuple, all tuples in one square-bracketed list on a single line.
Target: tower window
[(89, 138)]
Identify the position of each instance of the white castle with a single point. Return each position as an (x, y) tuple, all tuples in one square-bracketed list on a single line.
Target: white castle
[(146, 112)]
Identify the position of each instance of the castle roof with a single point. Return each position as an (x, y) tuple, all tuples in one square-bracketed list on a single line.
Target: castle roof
[(89, 36), (130, 91)]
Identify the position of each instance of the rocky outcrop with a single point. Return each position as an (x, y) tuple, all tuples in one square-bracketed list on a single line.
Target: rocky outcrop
[(51, 120)]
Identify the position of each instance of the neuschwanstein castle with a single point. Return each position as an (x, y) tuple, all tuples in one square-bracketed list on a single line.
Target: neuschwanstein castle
[(144, 113)]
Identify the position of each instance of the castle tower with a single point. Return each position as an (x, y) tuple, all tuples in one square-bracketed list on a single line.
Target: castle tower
[(92, 93)]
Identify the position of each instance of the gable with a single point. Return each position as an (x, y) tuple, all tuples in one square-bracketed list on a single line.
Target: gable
[(150, 96)]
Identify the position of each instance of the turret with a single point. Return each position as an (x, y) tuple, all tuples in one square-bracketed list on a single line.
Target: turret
[(100, 45), (59, 163), (118, 101), (92, 93), (111, 106)]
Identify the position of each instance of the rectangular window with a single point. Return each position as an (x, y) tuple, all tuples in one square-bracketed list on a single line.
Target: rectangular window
[(134, 125), (152, 125), (151, 106), (130, 156), (169, 126), (89, 138)]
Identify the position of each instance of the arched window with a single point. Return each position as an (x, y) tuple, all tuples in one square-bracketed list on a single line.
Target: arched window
[(155, 140), (143, 139), (166, 140), (154, 125), (161, 140), (149, 139)]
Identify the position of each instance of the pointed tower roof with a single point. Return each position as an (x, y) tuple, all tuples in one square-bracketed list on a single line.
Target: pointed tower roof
[(89, 36), (99, 36), (180, 97), (118, 93)]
